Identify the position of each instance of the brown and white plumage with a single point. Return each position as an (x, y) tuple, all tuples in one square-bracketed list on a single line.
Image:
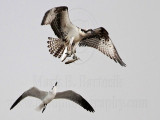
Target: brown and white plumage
[(100, 40), (59, 21), (56, 46)]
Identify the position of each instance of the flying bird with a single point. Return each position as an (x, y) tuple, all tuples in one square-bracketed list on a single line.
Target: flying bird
[(71, 36), (47, 97)]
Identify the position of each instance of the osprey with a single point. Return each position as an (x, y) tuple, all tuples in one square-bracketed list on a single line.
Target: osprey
[(70, 36)]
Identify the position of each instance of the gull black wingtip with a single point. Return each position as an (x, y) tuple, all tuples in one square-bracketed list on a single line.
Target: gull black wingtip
[(10, 108), (16, 102), (92, 110)]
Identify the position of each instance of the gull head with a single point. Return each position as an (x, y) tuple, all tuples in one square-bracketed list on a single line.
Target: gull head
[(54, 85)]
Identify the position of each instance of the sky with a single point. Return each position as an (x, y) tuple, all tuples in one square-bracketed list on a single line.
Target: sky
[(115, 92)]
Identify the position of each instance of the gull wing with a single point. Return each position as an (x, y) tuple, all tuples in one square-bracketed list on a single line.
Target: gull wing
[(71, 95), (33, 92), (99, 39), (59, 20)]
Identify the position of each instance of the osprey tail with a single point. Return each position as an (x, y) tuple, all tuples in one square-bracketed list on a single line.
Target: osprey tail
[(56, 46)]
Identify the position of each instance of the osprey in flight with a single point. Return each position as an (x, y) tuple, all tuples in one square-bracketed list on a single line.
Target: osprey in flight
[(70, 36)]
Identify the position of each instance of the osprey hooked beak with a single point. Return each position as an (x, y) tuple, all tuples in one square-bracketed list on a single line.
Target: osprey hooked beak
[(54, 85)]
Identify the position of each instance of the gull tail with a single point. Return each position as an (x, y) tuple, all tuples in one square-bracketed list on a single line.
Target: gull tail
[(39, 108), (56, 46)]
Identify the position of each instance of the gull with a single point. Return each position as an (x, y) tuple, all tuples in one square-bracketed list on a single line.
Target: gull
[(47, 97), (71, 36)]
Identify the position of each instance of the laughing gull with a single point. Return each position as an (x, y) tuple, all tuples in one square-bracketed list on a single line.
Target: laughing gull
[(47, 97), (70, 36)]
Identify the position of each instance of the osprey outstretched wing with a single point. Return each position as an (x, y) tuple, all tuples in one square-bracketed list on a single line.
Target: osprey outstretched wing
[(59, 20), (99, 39)]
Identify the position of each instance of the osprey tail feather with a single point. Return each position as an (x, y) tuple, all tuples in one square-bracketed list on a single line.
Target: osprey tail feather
[(56, 46)]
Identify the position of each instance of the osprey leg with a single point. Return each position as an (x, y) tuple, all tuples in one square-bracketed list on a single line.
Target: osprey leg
[(68, 50)]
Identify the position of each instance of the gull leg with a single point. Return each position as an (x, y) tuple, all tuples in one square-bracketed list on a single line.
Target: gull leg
[(44, 107)]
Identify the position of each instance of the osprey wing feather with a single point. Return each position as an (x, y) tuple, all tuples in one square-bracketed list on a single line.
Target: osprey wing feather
[(59, 20), (100, 40)]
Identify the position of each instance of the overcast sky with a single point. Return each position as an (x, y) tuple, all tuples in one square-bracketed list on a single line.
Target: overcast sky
[(115, 92)]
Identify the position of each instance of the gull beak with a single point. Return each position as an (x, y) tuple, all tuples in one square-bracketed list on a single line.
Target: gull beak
[(56, 84)]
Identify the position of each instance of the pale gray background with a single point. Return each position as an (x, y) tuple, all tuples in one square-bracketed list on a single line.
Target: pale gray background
[(115, 92)]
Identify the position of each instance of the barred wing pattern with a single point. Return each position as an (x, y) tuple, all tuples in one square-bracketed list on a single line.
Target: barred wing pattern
[(101, 41), (59, 20), (56, 46)]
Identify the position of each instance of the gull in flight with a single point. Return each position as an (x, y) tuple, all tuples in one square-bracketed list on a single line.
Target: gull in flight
[(47, 97), (70, 36)]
